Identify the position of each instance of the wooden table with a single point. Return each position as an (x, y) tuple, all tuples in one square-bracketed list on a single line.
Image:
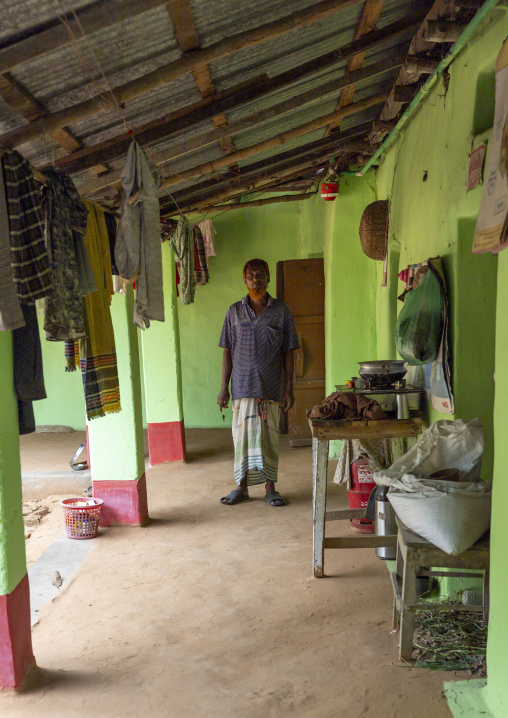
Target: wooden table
[(323, 431), (413, 552)]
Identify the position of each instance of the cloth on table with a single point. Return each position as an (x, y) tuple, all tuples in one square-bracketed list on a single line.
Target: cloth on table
[(256, 440), (29, 259), (182, 244), (201, 273), (66, 217), (97, 351), (258, 344), (27, 365), (377, 451), (347, 405), (11, 316), (138, 252), (208, 231)]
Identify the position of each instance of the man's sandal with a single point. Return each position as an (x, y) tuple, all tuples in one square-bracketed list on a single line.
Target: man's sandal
[(234, 497), (273, 498)]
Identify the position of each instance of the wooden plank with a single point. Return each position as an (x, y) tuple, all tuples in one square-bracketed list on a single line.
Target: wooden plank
[(258, 202), (95, 17), (246, 152), (319, 477), (429, 606), (369, 17), (173, 70), (345, 514), (361, 542), (204, 109)]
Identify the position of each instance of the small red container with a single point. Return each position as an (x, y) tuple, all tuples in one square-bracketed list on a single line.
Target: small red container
[(362, 483), (358, 499), (81, 517), (329, 191)]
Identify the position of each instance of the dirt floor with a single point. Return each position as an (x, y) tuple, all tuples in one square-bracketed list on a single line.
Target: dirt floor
[(212, 612)]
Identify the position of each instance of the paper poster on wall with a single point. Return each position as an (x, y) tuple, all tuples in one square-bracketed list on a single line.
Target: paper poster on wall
[(491, 233)]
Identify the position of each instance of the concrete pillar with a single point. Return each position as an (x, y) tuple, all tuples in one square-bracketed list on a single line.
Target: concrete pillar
[(163, 377), (16, 655), (116, 440)]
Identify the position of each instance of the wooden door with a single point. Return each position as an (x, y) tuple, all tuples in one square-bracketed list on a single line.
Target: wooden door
[(301, 284)]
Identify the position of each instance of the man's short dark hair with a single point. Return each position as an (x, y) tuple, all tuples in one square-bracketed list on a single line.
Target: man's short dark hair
[(252, 263)]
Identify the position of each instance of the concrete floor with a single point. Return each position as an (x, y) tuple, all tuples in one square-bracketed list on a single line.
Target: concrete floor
[(212, 611)]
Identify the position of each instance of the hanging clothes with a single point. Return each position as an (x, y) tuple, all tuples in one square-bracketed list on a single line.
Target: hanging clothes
[(182, 244), (11, 316), (29, 258), (97, 353), (28, 374), (138, 253), (201, 273), (66, 219), (111, 225), (208, 231)]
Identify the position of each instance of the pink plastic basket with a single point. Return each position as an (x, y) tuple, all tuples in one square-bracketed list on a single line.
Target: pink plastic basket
[(81, 517)]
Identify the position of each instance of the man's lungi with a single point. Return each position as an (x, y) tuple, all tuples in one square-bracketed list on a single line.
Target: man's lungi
[(256, 440)]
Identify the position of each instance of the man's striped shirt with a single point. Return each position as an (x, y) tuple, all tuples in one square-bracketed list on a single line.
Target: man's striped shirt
[(257, 346)]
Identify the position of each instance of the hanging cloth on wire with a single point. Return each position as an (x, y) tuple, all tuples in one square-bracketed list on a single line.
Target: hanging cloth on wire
[(97, 352), (29, 259), (182, 244), (11, 316), (27, 365), (208, 231), (201, 273), (66, 218), (138, 253)]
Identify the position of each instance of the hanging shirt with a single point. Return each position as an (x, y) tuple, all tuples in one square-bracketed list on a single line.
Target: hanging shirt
[(208, 231), (182, 244), (11, 316), (257, 345)]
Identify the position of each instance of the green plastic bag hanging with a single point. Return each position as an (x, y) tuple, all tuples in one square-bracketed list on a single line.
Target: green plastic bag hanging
[(420, 323)]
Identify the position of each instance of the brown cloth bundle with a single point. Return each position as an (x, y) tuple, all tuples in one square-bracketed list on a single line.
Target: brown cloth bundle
[(347, 405)]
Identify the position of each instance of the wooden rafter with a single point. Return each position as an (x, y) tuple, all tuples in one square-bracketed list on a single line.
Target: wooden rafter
[(92, 18), (20, 100), (369, 17), (174, 70), (232, 98), (257, 202), (185, 31), (202, 140)]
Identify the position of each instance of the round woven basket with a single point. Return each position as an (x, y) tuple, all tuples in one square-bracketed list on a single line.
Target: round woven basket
[(374, 229)]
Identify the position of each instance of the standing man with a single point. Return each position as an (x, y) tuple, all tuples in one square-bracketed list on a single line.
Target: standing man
[(258, 338)]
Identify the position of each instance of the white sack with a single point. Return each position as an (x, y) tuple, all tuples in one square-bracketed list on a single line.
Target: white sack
[(444, 445), (450, 515)]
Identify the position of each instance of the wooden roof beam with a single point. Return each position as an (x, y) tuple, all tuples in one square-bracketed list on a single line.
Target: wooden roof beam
[(91, 19), (187, 63), (369, 17), (232, 98)]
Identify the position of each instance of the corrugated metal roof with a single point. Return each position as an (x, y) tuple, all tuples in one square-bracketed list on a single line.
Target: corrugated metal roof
[(141, 44)]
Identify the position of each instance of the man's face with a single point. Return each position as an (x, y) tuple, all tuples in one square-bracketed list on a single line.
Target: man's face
[(256, 278)]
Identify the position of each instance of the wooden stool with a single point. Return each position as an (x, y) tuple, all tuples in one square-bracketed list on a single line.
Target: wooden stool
[(414, 552)]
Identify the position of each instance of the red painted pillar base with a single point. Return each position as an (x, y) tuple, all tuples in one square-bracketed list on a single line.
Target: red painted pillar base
[(166, 442), (125, 502), (16, 655)]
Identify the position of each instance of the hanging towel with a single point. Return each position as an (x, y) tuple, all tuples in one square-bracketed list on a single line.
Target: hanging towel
[(30, 263), (138, 251), (11, 316), (201, 273), (66, 218), (28, 373), (97, 353), (182, 244), (208, 231)]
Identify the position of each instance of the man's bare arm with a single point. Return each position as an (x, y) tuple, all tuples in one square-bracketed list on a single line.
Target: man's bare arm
[(227, 368), (288, 399)]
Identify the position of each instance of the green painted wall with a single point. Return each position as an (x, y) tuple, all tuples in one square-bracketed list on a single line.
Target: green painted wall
[(162, 394), (497, 691), (66, 402), (272, 233), (116, 440), (12, 539)]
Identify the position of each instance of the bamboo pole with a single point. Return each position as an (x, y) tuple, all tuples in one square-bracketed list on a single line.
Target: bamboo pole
[(257, 202), (243, 154), (202, 140), (173, 70)]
